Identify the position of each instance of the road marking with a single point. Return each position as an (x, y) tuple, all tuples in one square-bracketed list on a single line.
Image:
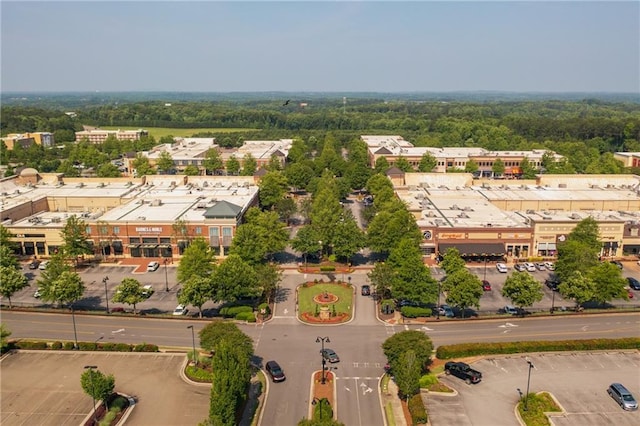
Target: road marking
[(365, 389), (357, 378), (425, 328), (118, 331), (585, 328), (286, 311), (347, 389), (284, 316), (508, 324)]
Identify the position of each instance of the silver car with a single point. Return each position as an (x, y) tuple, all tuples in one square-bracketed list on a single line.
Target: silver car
[(622, 396)]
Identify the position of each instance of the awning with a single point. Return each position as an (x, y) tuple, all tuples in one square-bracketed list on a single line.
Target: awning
[(149, 246), (543, 246), (474, 249), (164, 246), (133, 245), (551, 246)]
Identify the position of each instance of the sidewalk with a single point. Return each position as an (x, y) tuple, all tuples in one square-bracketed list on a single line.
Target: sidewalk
[(391, 397)]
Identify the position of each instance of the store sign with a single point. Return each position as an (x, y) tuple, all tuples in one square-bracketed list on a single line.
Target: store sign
[(452, 236), (427, 235), (145, 229)]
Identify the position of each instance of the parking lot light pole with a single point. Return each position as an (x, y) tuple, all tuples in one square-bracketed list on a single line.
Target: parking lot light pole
[(322, 340), (93, 391), (106, 293), (193, 341), (528, 381), (75, 333), (438, 307), (519, 393), (485, 268), (166, 278)]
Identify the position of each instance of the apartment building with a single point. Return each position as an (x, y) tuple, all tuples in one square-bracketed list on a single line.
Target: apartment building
[(99, 135), (45, 139)]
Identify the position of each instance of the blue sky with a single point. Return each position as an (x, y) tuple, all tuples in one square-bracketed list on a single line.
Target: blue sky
[(337, 46)]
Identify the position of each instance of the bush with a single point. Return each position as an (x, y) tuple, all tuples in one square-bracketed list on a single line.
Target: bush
[(198, 374), (108, 347), (232, 311), (87, 346), (415, 312), (416, 408), (108, 418), (27, 344), (472, 349), (264, 307), (246, 316), (68, 346), (327, 268), (145, 347), (325, 406), (428, 380), (56, 345), (123, 347)]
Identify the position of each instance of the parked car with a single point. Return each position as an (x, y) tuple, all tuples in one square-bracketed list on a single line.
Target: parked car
[(633, 283), (617, 263), (486, 285), (444, 310), (330, 355), (530, 266), (520, 267), (34, 264), (366, 290), (622, 396), (37, 294), (630, 294), (540, 266), (152, 266), (43, 265), (274, 370), (501, 267), (511, 310), (147, 290), (180, 310), (550, 266), (552, 284), (463, 371)]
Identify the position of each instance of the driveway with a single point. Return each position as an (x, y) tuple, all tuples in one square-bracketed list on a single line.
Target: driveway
[(579, 382), (43, 388)]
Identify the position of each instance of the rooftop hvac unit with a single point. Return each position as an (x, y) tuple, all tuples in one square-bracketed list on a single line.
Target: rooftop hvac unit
[(156, 202), (56, 220)]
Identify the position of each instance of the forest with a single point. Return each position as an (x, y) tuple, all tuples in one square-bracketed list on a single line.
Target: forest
[(587, 131)]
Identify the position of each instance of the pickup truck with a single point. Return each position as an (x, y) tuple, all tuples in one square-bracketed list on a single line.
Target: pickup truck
[(463, 371)]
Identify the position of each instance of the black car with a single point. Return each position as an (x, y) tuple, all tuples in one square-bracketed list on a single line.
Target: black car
[(34, 264), (274, 370), (617, 263), (633, 283), (552, 284), (463, 371), (366, 290)]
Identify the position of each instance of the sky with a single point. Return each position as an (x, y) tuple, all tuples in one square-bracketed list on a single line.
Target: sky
[(325, 46)]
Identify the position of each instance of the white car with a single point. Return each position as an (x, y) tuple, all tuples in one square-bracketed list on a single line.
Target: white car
[(43, 265), (152, 266), (550, 266), (520, 267), (180, 310), (530, 266), (147, 290), (501, 267), (37, 294)]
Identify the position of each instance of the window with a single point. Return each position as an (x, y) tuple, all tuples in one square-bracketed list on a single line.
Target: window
[(104, 230), (198, 230), (116, 230), (87, 230)]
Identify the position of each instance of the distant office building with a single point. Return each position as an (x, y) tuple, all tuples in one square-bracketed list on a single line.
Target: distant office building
[(629, 159), (27, 139), (99, 135)]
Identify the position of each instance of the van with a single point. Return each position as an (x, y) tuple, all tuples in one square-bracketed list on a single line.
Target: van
[(622, 396)]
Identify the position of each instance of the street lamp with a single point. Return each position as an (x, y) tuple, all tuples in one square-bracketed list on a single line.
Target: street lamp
[(166, 279), (520, 393), (193, 341), (75, 333), (553, 300), (319, 402), (528, 381), (438, 307), (106, 293), (485, 268), (93, 391), (322, 340)]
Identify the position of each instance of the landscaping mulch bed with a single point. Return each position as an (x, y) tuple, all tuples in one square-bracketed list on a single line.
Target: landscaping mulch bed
[(101, 412), (324, 391)]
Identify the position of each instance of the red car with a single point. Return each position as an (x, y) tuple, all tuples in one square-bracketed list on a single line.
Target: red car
[(630, 293), (486, 285)]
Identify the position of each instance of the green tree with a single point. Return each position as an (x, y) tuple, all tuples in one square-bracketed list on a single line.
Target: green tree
[(522, 289), (165, 162), (273, 186), (403, 164), (234, 279), (198, 260), (306, 241), (191, 170), (7, 258), (274, 164), (400, 343), (609, 282), (76, 240), (299, 175), (141, 166), (452, 261), (471, 166), (586, 232), (298, 151), (286, 208), (98, 385), (66, 167), (498, 167), (260, 236), (413, 279), (196, 291), (212, 162), (427, 163), (381, 166), (249, 165), (233, 166), (407, 374), (108, 170), (348, 239), (269, 276), (65, 288), (216, 331), (578, 287), (382, 277), (464, 289), (231, 377), (580, 251), (129, 292), (55, 268), (11, 282), (528, 170), (390, 227)]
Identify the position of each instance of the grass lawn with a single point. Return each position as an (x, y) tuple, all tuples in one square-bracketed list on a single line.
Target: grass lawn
[(537, 405), (306, 295), (158, 132)]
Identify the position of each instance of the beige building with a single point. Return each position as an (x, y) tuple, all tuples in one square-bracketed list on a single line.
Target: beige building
[(629, 159), (99, 135), (27, 139)]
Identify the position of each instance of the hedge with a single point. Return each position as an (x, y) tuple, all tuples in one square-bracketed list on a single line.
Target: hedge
[(232, 311), (428, 380), (415, 312), (198, 374), (327, 268), (145, 347), (246, 316), (83, 346), (416, 408), (472, 349)]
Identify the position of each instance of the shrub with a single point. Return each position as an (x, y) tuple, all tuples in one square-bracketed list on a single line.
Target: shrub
[(246, 316), (108, 418), (325, 406), (28, 344), (327, 268), (232, 311), (87, 346), (252, 318), (123, 347), (415, 312), (68, 346), (56, 345), (428, 380), (264, 307), (416, 408), (145, 347), (198, 374), (108, 347)]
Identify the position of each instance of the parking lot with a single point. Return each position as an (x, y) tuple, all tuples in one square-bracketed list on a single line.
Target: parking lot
[(579, 382), (43, 388)]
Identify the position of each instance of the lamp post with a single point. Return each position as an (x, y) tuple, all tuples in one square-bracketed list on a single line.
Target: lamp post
[(520, 393), (193, 341), (93, 391), (322, 340), (106, 293), (166, 278), (528, 381), (319, 402), (75, 333), (438, 307), (485, 268), (553, 300)]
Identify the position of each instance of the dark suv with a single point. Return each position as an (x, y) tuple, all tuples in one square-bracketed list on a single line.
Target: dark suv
[(552, 284), (633, 283), (463, 371), (274, 370)]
